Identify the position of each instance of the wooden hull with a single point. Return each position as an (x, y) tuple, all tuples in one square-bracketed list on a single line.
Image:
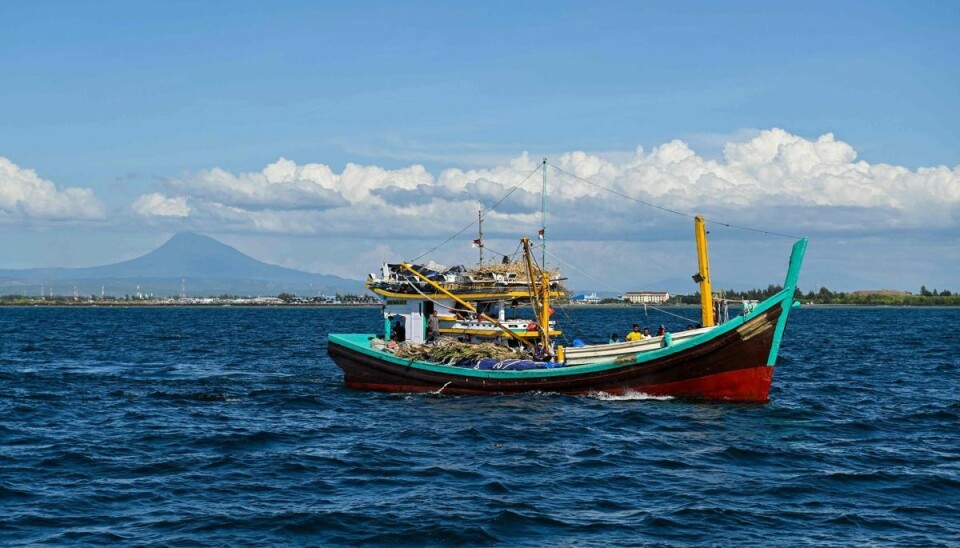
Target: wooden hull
[(731, 366)]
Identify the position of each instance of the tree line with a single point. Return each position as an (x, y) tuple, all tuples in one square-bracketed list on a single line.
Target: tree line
[(825, 296)]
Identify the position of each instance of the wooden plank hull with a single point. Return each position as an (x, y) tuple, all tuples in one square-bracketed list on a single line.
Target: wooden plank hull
[(732, 366)]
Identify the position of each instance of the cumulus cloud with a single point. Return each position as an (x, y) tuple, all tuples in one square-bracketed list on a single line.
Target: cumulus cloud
[(774, 180), (25, 195), (286, 185), (158, 205)]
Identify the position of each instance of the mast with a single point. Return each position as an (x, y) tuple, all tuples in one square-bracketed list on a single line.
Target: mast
[(480, 230), (544, 303), (543, 218), (703, 272)]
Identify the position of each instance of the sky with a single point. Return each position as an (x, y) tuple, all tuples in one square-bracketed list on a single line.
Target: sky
[(331, 136)]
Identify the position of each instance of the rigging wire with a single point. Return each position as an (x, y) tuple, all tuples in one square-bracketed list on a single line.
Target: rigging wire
[(464, 229), (668, 210), (612, 191), (439, 304), (603, 284)]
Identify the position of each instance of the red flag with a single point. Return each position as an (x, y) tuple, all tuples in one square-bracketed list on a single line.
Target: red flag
[(540, 234), (477, 243)]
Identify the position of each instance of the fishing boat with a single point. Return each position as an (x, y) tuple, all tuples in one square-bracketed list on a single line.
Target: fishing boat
[(729, 361)]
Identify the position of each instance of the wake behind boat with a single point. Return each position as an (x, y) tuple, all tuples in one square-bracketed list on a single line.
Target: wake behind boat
[(454, 331)]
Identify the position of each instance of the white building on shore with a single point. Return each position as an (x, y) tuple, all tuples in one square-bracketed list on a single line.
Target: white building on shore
[(646, 297), (586, 299)]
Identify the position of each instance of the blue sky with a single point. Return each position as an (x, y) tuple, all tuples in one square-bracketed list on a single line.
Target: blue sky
[(132, 99)]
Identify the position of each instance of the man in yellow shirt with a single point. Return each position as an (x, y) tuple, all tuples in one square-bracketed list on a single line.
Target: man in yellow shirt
[(635, 335)]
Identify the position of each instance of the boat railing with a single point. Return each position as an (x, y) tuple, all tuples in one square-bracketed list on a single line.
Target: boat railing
[(594, 352), (413, 288), (512, 324)]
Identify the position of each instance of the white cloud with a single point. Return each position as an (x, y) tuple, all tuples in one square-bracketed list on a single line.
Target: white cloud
[(772, 180), (25, 195), (158, 205), (285, 185)]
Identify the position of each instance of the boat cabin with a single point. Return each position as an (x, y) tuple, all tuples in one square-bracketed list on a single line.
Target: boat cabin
[(410, 314), (414, 313)]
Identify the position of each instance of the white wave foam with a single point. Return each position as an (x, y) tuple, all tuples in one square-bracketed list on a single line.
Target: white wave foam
[(629, 395)]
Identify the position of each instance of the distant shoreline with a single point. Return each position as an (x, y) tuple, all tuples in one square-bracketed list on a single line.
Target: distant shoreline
[(185, 305), (147, 304)]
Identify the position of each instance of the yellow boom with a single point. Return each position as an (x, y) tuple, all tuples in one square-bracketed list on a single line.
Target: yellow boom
[(703, 275), (541, 295)]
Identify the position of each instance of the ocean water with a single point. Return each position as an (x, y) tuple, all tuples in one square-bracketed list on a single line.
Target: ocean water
[(226, 426)]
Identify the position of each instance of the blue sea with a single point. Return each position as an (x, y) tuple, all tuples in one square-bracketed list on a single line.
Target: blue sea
[(231, 426)]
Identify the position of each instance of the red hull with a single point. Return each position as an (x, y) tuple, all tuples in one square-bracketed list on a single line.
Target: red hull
[(745, 385)]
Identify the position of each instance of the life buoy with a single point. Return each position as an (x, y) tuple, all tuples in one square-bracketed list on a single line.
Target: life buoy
[(532, 326)]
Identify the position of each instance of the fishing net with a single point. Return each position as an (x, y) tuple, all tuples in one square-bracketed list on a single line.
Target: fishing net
[(449, 350)]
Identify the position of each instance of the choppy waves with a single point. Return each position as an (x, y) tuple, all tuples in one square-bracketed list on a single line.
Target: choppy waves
[(231, 426)]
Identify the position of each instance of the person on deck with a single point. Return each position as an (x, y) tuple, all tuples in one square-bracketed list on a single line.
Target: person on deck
[(433, 327), (614, 339), (399, 332), (541, 353), (662, 331), (646, 333), (635, 335)]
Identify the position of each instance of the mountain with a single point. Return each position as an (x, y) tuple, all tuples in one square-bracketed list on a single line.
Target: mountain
[(204, 265)]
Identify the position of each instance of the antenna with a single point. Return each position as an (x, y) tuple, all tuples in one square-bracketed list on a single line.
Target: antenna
[(183, 287)]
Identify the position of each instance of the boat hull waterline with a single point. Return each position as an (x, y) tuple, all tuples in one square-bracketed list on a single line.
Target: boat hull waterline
[(731, 362), (730, 366)]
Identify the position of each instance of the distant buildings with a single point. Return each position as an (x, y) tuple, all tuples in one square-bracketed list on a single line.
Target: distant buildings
[(586, 299), (646, 297)]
